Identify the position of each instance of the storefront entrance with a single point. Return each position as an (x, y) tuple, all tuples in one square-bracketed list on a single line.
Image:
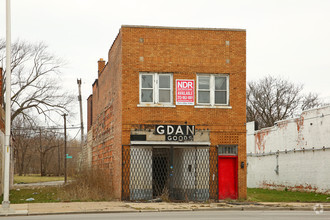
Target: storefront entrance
[(169, 172), (160, 171)]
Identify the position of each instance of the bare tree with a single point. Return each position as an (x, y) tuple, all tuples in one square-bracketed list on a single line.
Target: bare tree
[(311, 100), (35, 81), (48, 143), (24, 143), (272, 99), (34, 143), (35, 91)]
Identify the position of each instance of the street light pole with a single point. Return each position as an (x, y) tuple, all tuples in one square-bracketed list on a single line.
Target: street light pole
[(6, 202)]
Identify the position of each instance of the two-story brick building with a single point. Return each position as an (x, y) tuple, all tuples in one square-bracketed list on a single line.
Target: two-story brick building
[(167, 113)]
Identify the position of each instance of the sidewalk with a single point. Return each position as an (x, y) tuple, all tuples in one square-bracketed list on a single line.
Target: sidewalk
[(39, 184), (115, 207)]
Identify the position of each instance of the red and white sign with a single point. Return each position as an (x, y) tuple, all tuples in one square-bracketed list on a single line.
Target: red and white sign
[(185, 92)]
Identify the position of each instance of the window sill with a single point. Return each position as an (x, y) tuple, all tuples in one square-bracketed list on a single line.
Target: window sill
[(214, 106), (156, 105)]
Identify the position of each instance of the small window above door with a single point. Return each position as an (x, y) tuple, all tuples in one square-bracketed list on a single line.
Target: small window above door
[(227, 150)]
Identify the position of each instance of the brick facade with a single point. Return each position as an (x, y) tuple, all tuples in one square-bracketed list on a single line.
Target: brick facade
[(113, 110)]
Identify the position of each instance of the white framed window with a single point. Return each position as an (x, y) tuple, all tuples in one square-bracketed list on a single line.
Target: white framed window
[(156, 88), (213, 90)]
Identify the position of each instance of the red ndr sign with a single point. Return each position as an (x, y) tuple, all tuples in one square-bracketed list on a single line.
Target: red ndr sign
[(185, 94)]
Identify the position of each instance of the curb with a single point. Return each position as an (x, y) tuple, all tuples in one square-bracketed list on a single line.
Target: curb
[(243, 208), (66, 213), (15, 213)]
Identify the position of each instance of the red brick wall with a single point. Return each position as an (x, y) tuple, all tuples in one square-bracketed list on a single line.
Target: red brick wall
[(95, 109), (183, 52), (101, 65), (106, 117), (89, 112), (1, 95)]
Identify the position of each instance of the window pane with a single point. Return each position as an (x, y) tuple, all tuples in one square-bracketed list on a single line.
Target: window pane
[(203, 97), (164, 81), (227, 150), (147, 95), (220, 83), (164, 95), (220, 97), (204, 82), (147, 81)]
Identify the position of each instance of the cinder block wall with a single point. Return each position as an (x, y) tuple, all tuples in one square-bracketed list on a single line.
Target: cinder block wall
[(183, 52), (293, 154)]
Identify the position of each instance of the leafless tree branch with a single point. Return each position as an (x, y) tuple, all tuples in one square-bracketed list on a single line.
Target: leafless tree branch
[(35, 81), (272, 99)]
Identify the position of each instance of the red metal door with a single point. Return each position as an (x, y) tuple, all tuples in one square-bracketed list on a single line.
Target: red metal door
[(227, 176)]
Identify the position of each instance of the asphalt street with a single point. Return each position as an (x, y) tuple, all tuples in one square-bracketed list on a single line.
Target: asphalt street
[(182, 215)]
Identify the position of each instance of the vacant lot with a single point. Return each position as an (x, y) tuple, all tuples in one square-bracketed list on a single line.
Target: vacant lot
[(36, 178), (39, 195)]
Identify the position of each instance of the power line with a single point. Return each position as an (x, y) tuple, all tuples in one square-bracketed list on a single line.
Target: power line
[(47, 128), (76, 134)]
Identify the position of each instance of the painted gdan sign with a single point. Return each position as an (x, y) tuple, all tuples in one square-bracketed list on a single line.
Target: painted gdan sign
[(176, 132), (185, 94)]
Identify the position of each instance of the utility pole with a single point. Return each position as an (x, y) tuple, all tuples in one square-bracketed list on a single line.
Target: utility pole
[(41, 157), (6, 202), (65, 173), (59, 159), (81, 114)]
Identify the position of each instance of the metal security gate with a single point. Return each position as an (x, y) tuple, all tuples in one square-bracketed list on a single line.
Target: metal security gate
[(160, 171), (173, 173)]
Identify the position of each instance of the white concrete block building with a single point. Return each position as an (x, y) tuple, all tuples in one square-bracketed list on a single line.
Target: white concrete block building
[(293, 154)]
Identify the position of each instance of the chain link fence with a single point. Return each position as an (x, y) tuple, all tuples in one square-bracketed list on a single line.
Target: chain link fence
[(170, 173)]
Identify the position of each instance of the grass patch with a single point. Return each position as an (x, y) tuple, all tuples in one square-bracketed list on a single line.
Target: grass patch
[(266, 195), (87, 185), (40, 195), (36, 178), (96, 186)]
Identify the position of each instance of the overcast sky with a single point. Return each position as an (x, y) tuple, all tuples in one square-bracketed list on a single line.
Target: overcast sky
[(287, 38)]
